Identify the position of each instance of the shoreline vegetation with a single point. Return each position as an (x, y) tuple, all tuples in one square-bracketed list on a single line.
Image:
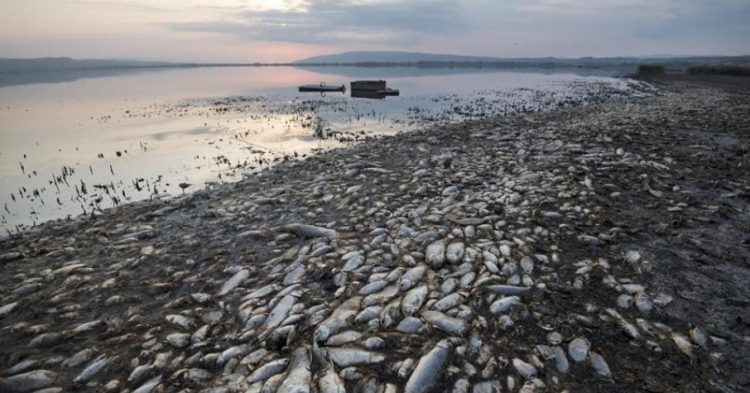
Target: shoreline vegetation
[(646, 70), (596, 248)]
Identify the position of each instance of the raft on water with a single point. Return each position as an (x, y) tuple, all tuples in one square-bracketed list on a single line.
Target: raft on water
[(321, 88), (372, 89)]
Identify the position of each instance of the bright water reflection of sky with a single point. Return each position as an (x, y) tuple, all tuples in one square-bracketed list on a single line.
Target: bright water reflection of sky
[(215, 124), (286, 30)]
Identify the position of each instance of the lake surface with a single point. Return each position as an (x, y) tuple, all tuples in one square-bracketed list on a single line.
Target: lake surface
[(73, 144)]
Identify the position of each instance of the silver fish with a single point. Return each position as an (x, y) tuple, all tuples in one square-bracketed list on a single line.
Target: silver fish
[(338, 319), (268, 370), (310, 231), (260, 292), (351, 356), (26, 382), (505, 289), (445, 323), (413, 300), (503, 305), (149, 386), (139, 372), (412, 276), (299, 376), (278, 314), (234, 282), (430, 367), (230, 353), (448, 302), (329, 381), (92, 369)]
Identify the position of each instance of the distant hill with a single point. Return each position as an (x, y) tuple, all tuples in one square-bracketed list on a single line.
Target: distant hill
[(48, 64), (393, 57), (366, 58)]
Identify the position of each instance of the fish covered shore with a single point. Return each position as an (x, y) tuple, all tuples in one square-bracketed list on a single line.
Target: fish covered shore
[(601, 248)]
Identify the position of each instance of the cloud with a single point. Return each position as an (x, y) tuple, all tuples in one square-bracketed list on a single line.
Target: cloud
[(329, 21)]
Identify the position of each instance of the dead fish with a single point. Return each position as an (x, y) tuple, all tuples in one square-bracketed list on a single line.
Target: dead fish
[(352, 356), (699, 337), (526, 370), (85, 327), (261, 292), (298, 378), (329, 382), (139, 372), (448, 302), (578, 349), (29, 381), (279, 313), (178, 340), (445, 323), (150, 385), (21, 366), (352, 260), (338, 319), (179, 320), (503, 305), (373, 287), (89, 372), (600, 365), (268, 370), (412, 276), (683, 344), (254, 357), (407, 366), (461, 386), (234, 282), (628, 327), (368, 314), (381, 297), (509, 290), (310, 231), (410, 325), (230, 353), (199, 336), (455, 252), (8, 308), (430, 367), (271, 385), (643, 302), (78, 358), (413, 300), (346, 337), (435, 253)]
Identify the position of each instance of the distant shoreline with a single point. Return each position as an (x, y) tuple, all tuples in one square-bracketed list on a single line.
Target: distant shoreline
[(39, 65)]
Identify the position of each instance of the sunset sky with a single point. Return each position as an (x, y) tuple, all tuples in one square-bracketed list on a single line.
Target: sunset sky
[(285, 30)]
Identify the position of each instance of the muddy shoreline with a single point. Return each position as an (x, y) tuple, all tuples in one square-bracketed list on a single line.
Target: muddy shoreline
[(626, 223)]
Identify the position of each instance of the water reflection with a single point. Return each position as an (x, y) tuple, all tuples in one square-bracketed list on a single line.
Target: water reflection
[(78, 147)]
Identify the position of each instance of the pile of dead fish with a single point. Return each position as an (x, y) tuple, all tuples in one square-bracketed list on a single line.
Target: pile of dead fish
[(435, 272)]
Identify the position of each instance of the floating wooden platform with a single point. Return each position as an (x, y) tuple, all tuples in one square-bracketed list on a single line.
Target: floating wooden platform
[(372, 89), (321, 88), (368, 85)]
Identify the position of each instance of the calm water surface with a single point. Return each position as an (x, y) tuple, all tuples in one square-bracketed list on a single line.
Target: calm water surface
[(82, 145)]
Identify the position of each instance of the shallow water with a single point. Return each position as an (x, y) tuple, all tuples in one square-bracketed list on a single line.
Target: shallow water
[(80, 145)]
